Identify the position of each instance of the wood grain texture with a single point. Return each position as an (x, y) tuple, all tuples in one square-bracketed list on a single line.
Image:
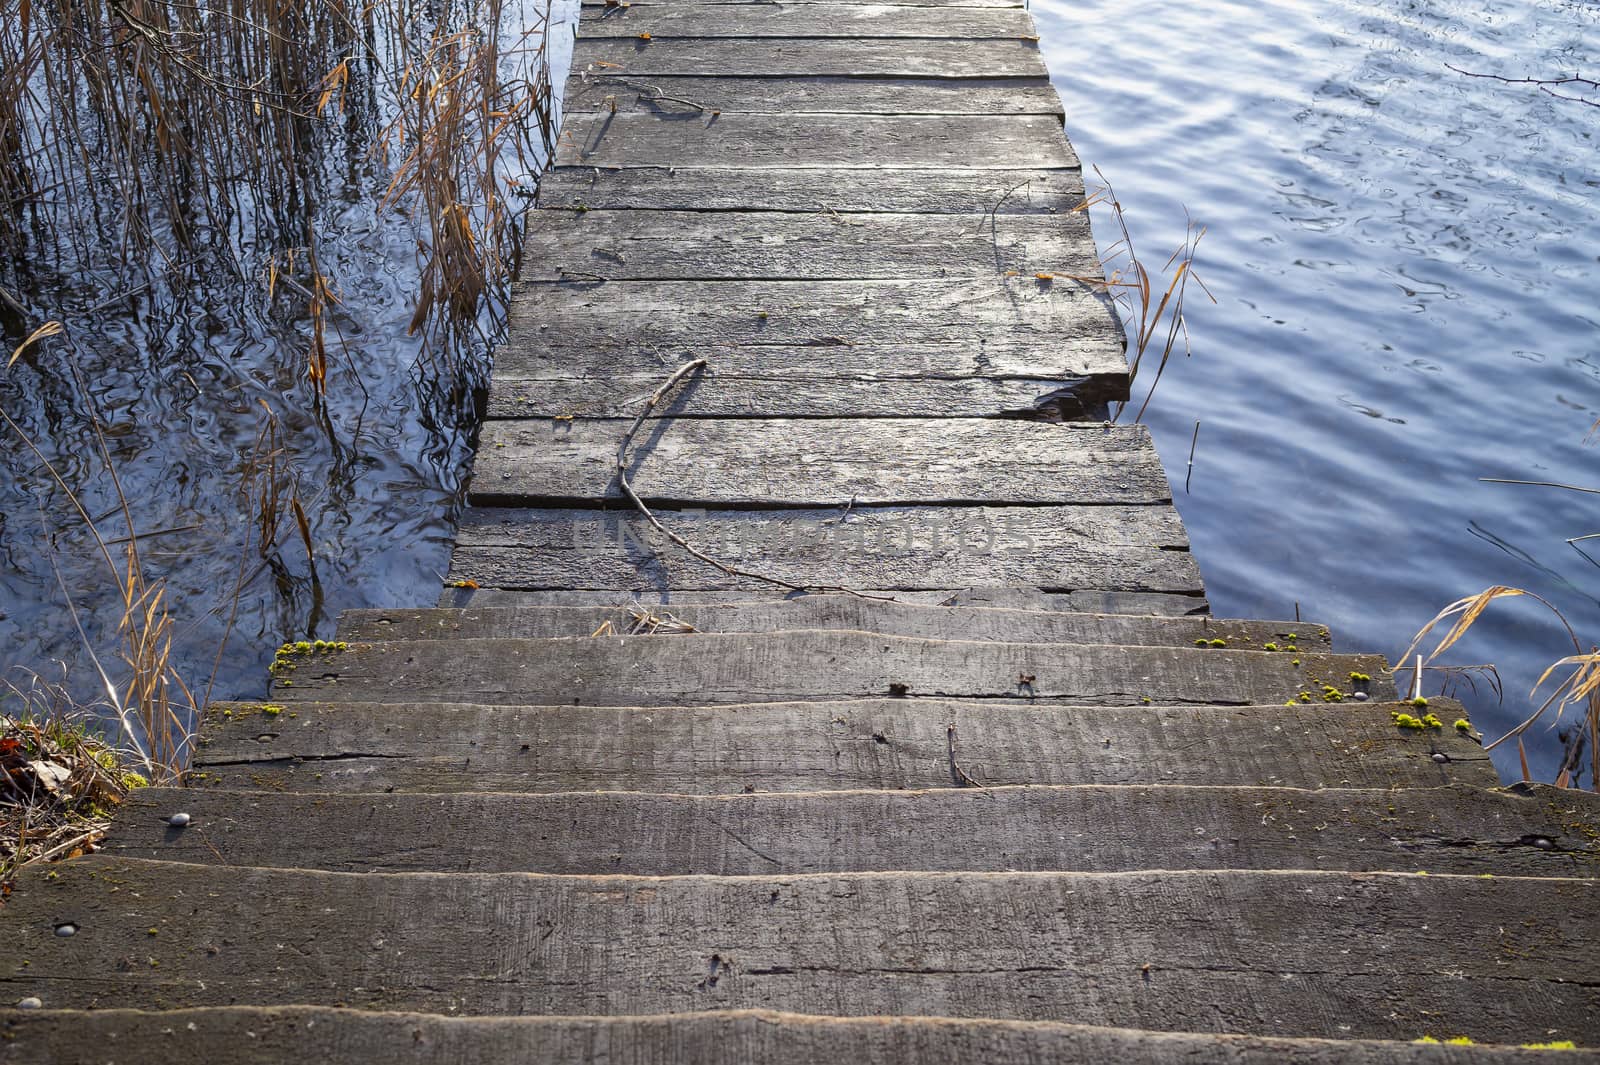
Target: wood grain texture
[(730, 394), (1466, 831), (688, 245), (816, 462), (811, 349), (271, 1035), (804, 141), (819, 746), (991, 327), (599, 91), (863, 21), (1116, 549), (809, 664), (856, 944), (890, 190), (1139, 604), (913, 58), (832, 612)]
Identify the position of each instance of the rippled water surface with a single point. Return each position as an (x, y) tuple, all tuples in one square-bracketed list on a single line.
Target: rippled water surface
[(1405, 267)]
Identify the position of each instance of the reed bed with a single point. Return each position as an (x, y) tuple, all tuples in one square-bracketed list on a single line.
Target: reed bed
[(211, 147), (141, 136)]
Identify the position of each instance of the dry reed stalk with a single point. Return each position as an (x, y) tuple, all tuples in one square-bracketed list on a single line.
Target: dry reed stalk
[(1579, 687), (1133, 287)]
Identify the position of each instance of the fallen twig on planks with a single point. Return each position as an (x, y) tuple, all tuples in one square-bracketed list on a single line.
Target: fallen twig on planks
[(958, 774), (633, 497)]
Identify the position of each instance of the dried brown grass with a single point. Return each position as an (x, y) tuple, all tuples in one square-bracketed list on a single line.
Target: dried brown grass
[(1572, 681), (1151, 302)]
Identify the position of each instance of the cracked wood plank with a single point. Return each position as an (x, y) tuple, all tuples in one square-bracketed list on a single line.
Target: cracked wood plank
[(793, 329), (1289, 954), (972, 192), (688, 245), (1085, 601), (804, 141), (1066, 549), (1467, 831), (271, 1035), (599, 91), (831, 612), (818, 746), (813, 462), (770, 57), (809, 664), (732, 394)]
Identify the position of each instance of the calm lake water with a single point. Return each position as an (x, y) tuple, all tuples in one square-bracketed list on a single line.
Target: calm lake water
[(1404, 260), (1406, 263)]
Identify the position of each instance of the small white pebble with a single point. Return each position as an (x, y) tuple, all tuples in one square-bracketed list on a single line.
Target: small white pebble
[(30, 1003), (179, 820), (65, 930), (1440, 757)]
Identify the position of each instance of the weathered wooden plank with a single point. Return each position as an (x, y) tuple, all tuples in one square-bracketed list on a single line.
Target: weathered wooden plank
[(810, 463), (1104, 549), (1084, 601), (668, 245), (913, 58), (973, 192), (810, 349), (1081, 601), (841, 4), (730, 395), (999, 327), (856, 20), (271, 1035), (822, 746), (806, 141), (1467, 831), (831, 612), (809, 664), (671, 95), (1518, 961)]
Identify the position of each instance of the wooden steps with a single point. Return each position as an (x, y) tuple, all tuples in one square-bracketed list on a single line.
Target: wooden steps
[(711, 668), (1265, 953), (817, 463), (821, 745), (270, 1035), (833, 612), (1083, 550), (1133, 604), (1092, 828), (1016, 814)]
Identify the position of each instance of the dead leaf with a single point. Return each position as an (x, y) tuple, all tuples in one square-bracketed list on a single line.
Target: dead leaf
[(50, 774)]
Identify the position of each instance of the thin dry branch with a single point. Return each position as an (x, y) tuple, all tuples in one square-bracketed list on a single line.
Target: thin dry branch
[(633, 497)]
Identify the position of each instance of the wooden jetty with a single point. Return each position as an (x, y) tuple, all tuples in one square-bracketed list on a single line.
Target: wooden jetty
[(1013, 796)]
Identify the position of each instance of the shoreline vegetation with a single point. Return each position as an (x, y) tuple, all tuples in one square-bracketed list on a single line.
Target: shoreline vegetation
[(203, 159)]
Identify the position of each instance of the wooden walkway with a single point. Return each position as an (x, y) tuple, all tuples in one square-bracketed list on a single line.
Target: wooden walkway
[(1040, 807)]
